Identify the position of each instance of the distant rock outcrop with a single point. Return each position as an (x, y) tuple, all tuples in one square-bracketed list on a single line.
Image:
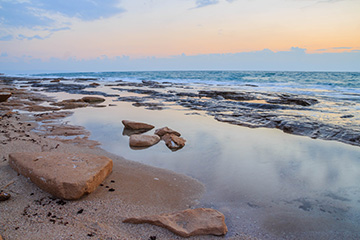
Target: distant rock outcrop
[(191, 222), (64, 175)]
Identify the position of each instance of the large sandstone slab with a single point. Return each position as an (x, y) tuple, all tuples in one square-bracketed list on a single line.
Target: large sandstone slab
[(191, 222), (64, 175)]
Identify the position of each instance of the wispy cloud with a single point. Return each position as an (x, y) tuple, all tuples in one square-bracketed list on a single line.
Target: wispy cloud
[(333, 48), (22, 37), (6, 38), (204, 3), (45, 15)]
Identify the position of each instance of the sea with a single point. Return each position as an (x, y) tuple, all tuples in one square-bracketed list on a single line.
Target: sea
[(340, 86)]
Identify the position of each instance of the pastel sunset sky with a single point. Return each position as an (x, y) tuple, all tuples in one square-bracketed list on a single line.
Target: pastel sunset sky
[(102, 35)]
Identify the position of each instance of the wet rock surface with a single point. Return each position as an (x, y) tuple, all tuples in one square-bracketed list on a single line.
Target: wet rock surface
[(313, 116), (191, 222)]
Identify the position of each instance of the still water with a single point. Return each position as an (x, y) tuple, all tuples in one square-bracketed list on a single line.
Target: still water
[(268, 184)]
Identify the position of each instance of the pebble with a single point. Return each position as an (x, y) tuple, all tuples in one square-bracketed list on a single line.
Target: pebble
[(4, 196)]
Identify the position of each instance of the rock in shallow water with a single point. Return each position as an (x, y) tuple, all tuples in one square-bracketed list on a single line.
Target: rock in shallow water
[(173, 141), (64, 175), (137, 125), (191, 222), (165, 130), (137, 140)]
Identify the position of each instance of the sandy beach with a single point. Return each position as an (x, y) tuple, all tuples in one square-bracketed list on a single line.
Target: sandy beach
[(138, 189)]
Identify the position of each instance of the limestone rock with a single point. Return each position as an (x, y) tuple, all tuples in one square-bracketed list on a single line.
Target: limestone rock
[(191, 222), (64, 175), (93, 99), (173, 142), (4, 96), (137, 125), (138, 140), (165, 130)]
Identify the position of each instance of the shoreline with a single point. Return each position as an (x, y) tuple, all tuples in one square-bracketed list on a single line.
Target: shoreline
[(34, 214), (296, 114)]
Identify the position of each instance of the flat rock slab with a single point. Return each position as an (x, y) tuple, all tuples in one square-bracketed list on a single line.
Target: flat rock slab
[(137, 125), (191, 222), (64, 175), (138, 140)]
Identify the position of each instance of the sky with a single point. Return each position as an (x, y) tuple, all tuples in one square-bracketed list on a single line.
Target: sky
[(121, 35)]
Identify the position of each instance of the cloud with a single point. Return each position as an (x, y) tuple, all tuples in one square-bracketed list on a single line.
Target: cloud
[(204, 3), (4, 54), (22, 37), (336, 48), (51, 16), (6, 38)]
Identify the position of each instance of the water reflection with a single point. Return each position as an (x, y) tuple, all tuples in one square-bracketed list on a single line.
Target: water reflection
[(262, 172)]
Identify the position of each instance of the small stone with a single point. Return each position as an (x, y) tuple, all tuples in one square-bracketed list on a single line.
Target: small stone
[(4, 196), (173, 142), (4, 96), (138, 140), (191, 222), (137, 125), (165, 130)]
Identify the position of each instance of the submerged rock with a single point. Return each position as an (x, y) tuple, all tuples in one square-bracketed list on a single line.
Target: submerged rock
[(71, 104), (137, 125), (191, 222), (64, 175), (93, 99), (137, 140)]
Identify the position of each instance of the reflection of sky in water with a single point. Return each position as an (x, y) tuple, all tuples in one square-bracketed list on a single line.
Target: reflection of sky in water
[(239, 166)]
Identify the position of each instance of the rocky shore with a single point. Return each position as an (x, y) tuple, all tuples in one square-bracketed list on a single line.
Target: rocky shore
[(29, 123), (314, 117)]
